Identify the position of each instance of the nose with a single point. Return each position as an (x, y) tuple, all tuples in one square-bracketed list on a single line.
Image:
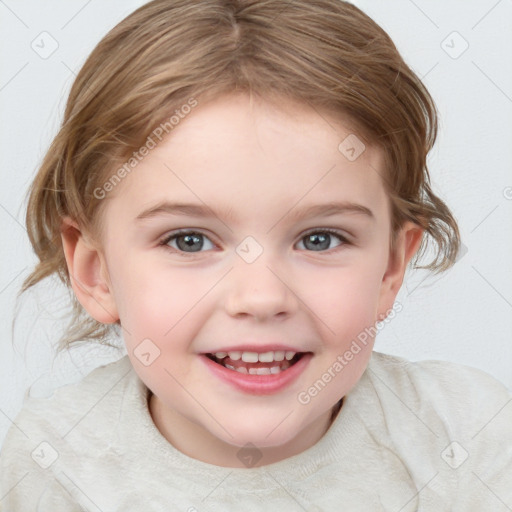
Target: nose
[(260, 290)]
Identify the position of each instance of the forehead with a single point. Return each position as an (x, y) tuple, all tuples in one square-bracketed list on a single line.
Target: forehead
[(252, 156)]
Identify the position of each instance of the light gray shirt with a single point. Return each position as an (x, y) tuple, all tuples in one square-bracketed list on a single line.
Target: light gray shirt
[(410, 436)]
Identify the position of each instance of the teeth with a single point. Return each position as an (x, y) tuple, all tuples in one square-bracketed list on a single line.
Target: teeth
[(250, 357), (273, 370), (278, 355), (266, 357), (259, 371), (265, 371), (254, 357)]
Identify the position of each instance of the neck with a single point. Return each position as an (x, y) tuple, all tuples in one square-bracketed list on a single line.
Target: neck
[(196, 442)]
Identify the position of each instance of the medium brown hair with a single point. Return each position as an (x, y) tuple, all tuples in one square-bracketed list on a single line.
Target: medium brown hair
[(326, 53)]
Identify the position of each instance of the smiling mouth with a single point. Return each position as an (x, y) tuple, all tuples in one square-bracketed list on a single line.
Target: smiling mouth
[(256, 368)]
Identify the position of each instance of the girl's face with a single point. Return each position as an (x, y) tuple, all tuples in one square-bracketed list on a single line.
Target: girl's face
[(250, 229)]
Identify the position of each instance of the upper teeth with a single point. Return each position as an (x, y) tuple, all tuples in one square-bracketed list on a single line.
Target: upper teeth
[(254, 357)]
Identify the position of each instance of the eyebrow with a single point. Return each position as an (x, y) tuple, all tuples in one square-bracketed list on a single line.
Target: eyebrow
[(201, 210)]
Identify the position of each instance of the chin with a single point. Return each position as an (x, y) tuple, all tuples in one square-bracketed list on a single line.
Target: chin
[(261, 436)]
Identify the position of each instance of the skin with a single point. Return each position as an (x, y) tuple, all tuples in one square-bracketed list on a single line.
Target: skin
[(262, 165)]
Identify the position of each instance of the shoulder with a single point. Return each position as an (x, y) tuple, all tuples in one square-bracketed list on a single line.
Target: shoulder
[(442, 370), (445, 419), (65, 404), (100, 377), (69, 404), (44, 435), (456, 394), (441, 382)]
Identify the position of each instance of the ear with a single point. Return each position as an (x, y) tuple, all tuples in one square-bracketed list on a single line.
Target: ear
[(407, 243), (88, 273)]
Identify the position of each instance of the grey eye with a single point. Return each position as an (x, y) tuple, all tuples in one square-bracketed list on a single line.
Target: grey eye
[(320, 240), (188, 242)]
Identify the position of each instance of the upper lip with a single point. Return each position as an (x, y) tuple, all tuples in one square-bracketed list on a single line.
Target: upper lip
[(256, 348)]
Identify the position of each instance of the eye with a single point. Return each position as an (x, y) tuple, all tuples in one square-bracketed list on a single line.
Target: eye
[(320, 240), (186, 241)]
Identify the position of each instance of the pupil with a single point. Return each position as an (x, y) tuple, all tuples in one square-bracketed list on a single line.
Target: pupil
[(319, 242), (189, 242)]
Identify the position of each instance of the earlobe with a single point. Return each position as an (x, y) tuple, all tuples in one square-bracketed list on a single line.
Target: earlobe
[(88, 274), (407, 244)]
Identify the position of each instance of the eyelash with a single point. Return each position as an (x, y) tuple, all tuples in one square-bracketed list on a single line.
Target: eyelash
[(175, 234)]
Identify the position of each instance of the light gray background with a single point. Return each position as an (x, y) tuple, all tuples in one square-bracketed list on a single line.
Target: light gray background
[(463, 316)]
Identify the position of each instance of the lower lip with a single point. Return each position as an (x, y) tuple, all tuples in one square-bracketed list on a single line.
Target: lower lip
[(258, 384)]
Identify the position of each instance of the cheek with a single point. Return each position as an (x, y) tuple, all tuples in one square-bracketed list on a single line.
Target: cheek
[(159, 318), (156, 302), (142, 297), (344, 301)]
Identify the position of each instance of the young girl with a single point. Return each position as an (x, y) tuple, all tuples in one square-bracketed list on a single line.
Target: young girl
[(236, 190)]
